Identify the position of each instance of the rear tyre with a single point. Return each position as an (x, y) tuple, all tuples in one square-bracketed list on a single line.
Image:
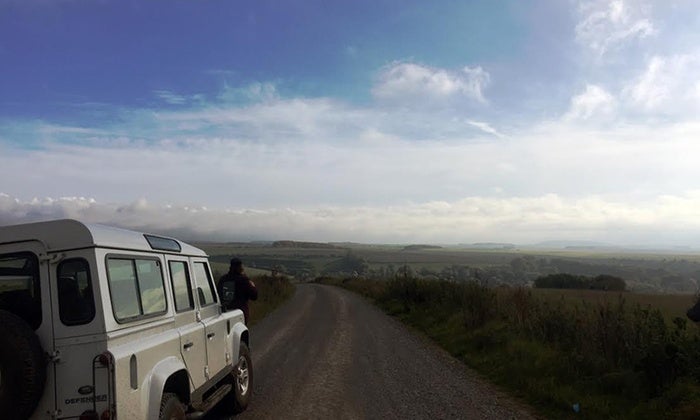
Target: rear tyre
[(242, 380), (171, 408), (22, 368)]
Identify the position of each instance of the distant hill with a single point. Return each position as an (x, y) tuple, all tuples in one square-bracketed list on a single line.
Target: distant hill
[(297, 244), (491, 245), (420, 247), (573, 244)]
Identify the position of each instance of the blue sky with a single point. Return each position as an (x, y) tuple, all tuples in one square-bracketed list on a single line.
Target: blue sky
[(381, 121)]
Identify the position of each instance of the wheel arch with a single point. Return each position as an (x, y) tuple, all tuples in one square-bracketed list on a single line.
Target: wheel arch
[(239, 334), (168, 376)]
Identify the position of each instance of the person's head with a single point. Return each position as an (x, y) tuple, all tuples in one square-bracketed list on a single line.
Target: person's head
[(236, 265)]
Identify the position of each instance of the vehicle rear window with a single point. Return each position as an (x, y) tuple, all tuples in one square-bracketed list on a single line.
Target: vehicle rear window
[(76, 304), (136, 287), (19, 286)]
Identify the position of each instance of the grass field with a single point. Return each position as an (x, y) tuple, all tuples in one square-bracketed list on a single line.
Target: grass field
[(272, 292), (670, 305)]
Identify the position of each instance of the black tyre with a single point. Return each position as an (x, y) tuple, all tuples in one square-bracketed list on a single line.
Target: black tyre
[(22, 368), (242, 380), (171, 408)]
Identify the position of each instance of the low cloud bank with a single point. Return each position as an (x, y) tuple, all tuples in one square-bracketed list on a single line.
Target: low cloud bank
[(665, 221)]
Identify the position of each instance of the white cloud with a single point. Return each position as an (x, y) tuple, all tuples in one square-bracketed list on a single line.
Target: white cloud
[(319, 168), (607, 25), (411, 81), (170, 97), (255, 92), (668, 86), (593, 102), (485, 127), (471, 219), (361, 161)]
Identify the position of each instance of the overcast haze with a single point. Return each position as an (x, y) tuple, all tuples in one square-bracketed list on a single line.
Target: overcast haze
[(367, 121)]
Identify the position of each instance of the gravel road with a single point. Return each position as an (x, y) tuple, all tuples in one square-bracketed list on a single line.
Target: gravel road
[(329, 354)]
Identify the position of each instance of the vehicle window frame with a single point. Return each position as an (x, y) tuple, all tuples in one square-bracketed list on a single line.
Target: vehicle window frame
[(188, 281), (133, 259), (90, 285), (210, 282)]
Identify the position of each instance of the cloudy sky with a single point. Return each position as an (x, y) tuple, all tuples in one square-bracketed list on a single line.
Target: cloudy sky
[(370, 121)]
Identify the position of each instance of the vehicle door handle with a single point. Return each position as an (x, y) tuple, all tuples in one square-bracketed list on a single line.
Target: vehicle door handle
[(211, 335), (187, 346)]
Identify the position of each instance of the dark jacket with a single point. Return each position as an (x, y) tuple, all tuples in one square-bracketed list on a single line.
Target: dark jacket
[(235, 290)]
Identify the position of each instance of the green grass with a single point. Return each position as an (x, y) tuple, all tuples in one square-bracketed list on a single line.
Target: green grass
[(272, 292), (670, 305)]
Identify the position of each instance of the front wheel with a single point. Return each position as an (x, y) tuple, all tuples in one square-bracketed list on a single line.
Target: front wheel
[(242, 381)]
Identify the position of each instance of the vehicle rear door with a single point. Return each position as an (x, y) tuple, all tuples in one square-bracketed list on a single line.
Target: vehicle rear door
[(82, 384)]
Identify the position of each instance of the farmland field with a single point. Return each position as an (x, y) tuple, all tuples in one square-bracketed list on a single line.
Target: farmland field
[(643, 271)]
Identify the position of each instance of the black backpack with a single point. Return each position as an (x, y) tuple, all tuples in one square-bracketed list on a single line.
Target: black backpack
[(228, 292)]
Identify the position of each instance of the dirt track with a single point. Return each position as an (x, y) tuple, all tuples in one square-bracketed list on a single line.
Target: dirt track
[(328, 354)]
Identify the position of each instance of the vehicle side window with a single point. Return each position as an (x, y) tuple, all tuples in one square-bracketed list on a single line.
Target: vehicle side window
[(205, 287), (76, 305), (151, 286), (19, 286), (136, 287), (182, 290)]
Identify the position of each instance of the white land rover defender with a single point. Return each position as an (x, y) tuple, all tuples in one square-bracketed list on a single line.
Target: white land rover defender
[(103, 323)]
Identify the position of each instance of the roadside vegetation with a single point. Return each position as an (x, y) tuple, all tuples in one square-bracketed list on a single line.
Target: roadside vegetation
[(570, 357), (272, 292)]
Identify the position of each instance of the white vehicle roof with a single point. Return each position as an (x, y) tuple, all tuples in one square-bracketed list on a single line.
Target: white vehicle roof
[(61, 235)]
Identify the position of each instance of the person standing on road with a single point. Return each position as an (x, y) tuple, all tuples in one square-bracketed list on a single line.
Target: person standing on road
[(236, 289)]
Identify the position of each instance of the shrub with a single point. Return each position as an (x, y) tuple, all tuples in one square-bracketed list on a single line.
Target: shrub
[(570, 281), (272, 292)]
